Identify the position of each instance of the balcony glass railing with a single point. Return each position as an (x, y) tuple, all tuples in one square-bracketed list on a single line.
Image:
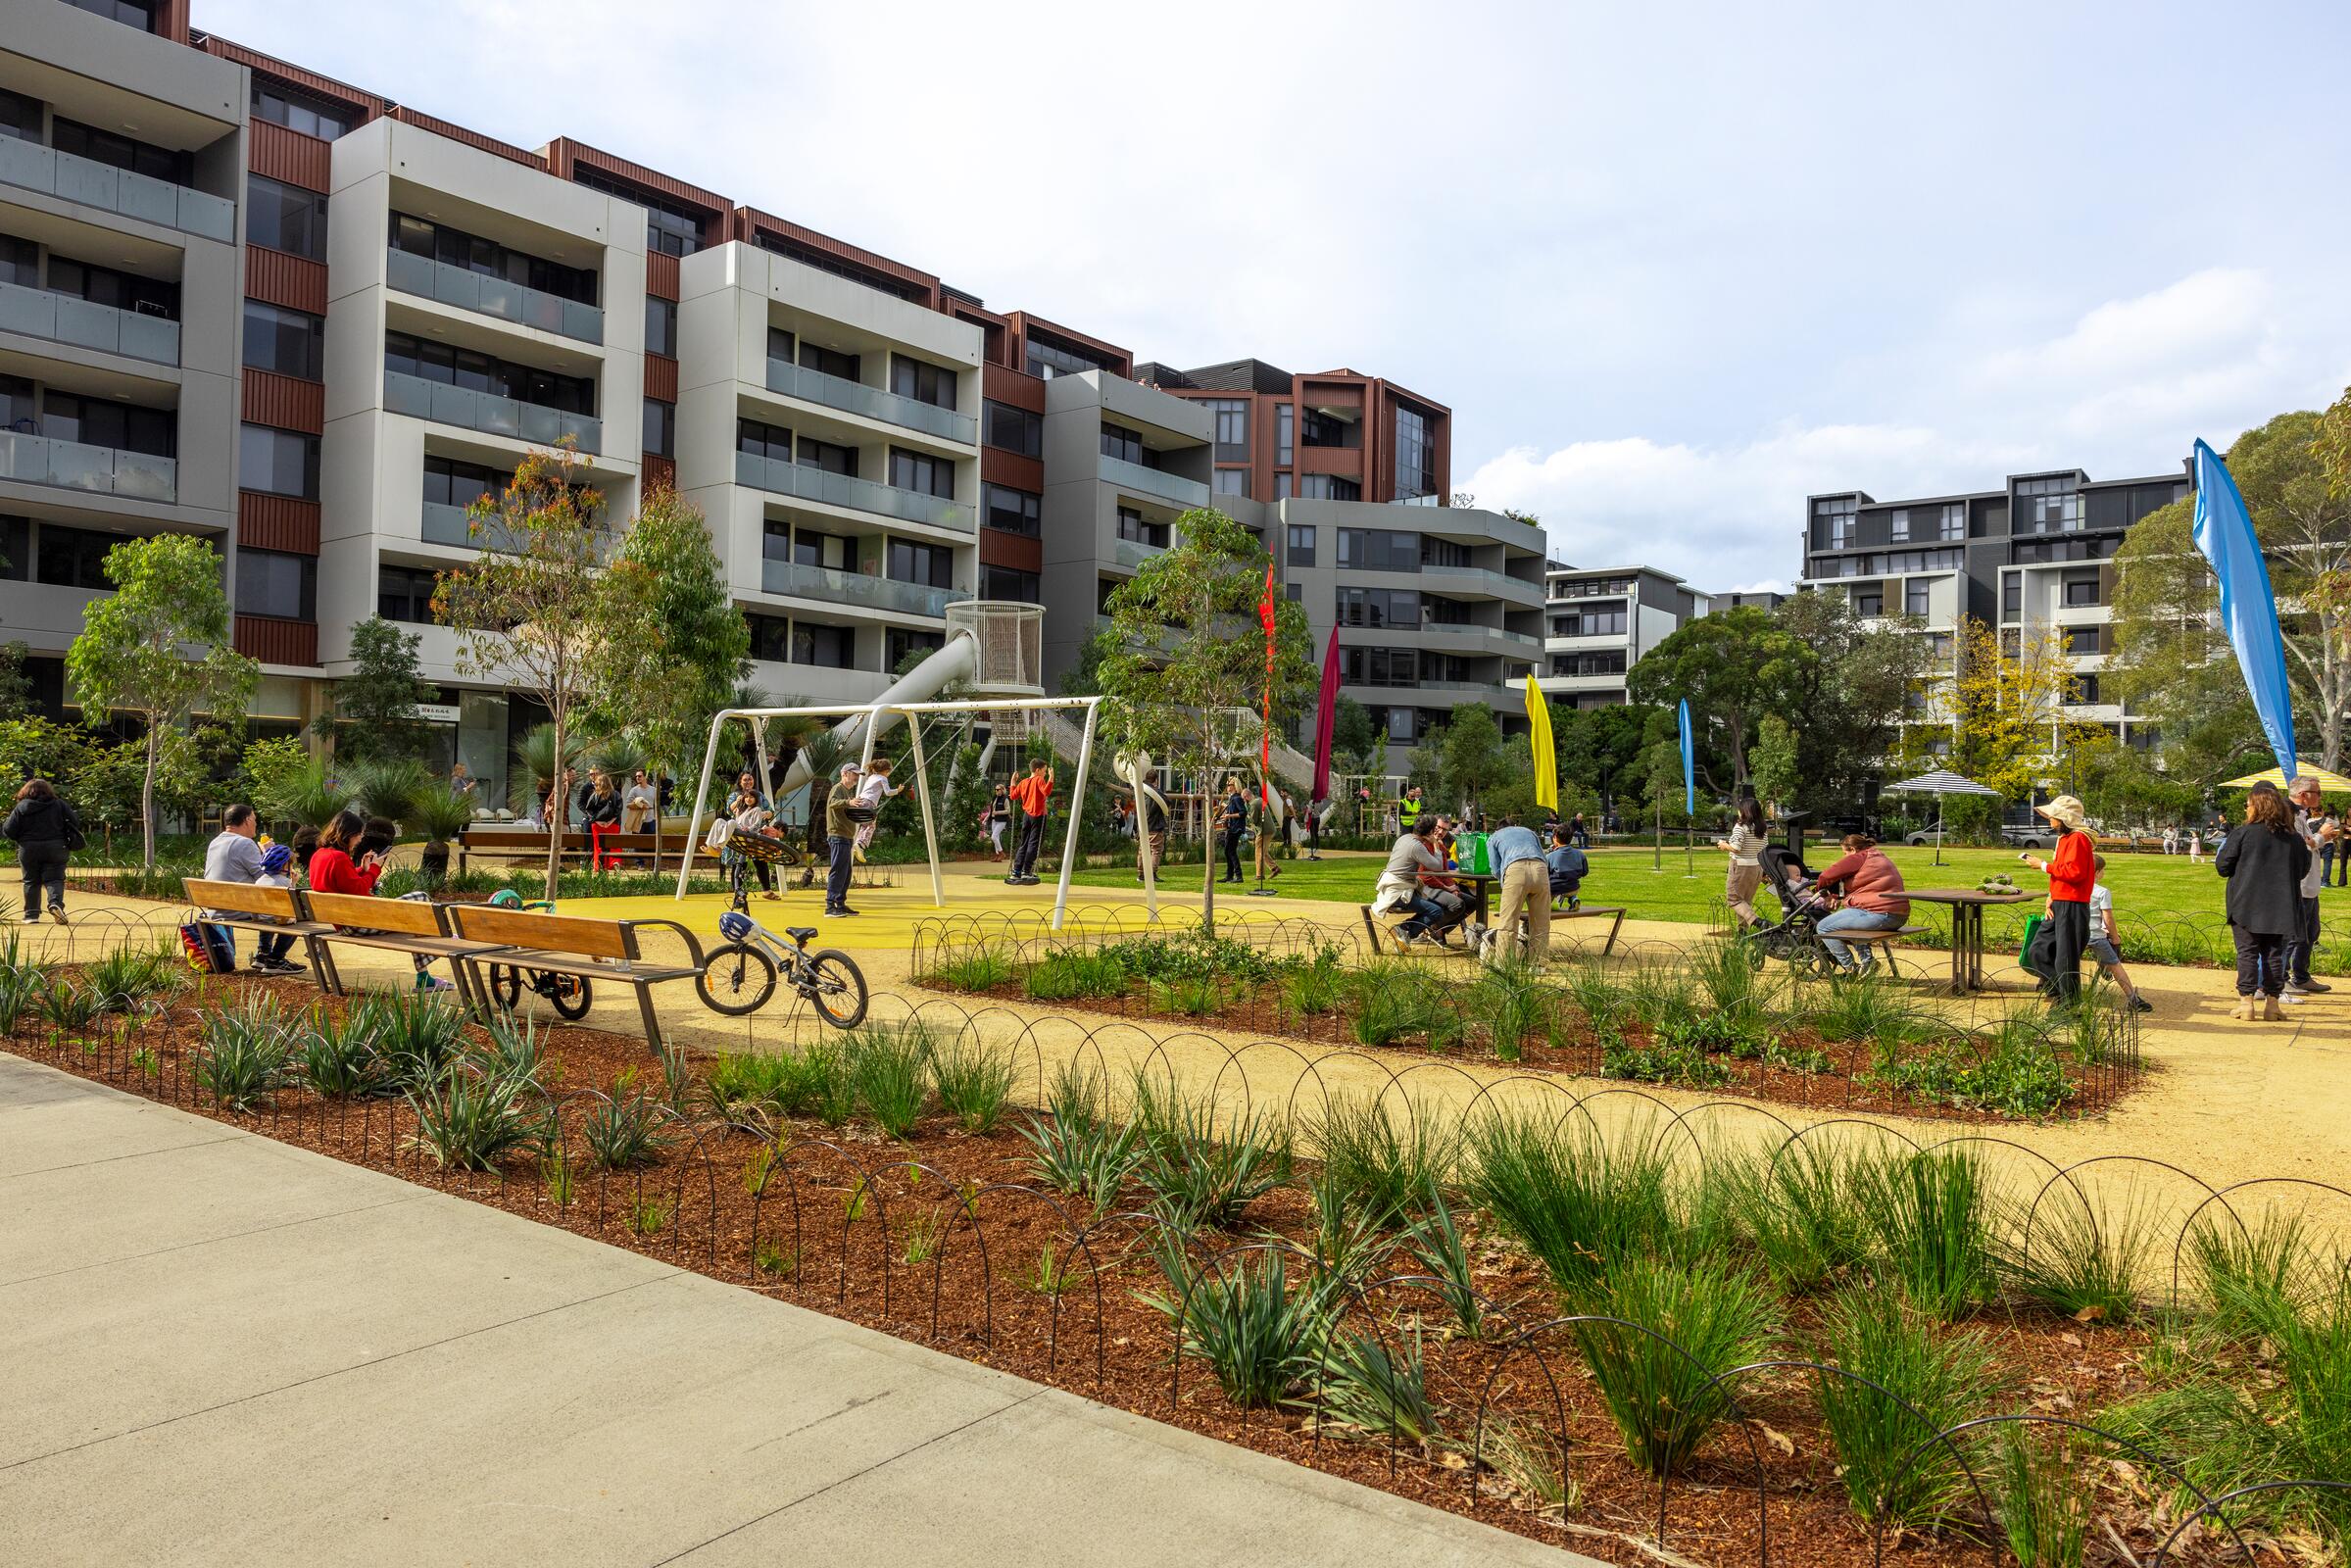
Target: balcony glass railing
[(1129, 553), (445, 525), (1168, 487), (33, 166), (488, 413), (100, 471), (856, 397), (1500, 585), (470, 290), (62, 319), (789, 478), (856, 588)]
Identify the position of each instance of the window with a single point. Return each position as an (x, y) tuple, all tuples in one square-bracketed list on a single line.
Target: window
[(1869, 600), (1136, 529), (1232, 427), (660, 326), (98, 423), (1295, 592), (1833, 522), (448, 482), (2080, 591), (1591, 620), (1378, 549), (1378, 608), (1006, 584), (1601, 662), (119, 152), (19, 116), (1302, 545), (1899, 525), (779, 345), (1952, 524), (807, 546), (1415, 455), (1328, 487), (121, 291), (285, 342), (1125, 445), (828, 647), (433, 361), (660, 428), (2082, 639), (1281, 485), (670, 228), (926, 565), (469, 253), (20, 263), (20, 407), (934, 385), (921, 473), (816, 453), (1329, 430), (771, 441), (1049, 359), (73, 558), (278, 463), (1012, 429), (898, 643), (2048, 506), (771, 637), (829, 362), (1380, 666), (1403, 725), (286, 218), (2012, 596), (1436, 552), (1010, 510), (1284, 423), (2030, 552), (309, 112), (1914, 598), (16, 549), (272, 583), (403, 594), (139, 14), (1231, 481)]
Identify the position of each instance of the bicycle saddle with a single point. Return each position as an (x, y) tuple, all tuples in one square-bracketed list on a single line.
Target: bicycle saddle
[(802, 934)]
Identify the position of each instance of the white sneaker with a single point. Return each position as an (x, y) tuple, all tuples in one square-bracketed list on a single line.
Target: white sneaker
[(2291, 998)]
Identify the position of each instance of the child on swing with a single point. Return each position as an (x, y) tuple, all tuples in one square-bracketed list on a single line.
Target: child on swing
[(872, 789)]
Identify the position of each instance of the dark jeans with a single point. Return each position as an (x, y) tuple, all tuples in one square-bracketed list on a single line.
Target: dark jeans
[(2302, 943), (2069, 927), (1432, 917), (1032, 839), (269, 947), (2327, 861), (1232, 853), (836, 876), (2260, 962), (44, 861)]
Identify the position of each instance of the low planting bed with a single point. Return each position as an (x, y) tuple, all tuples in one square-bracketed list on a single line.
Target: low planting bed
[(1708, 1020), (1650, 1345)]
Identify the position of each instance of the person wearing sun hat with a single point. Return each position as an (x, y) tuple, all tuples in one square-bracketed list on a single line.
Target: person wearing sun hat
[(2072, 872)]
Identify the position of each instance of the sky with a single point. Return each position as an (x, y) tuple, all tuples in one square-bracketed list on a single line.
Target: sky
[(1672, 268)]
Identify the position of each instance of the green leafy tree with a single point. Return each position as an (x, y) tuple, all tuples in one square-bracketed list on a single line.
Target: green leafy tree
[(1850, 681), (534, 611), (1778, 761), (1600, 747), (268, 767), (376, 705), (159, 647), (1733, 667), (1474, 759), (15, 687), (1184, 663), (1353, 733), (34, 745)]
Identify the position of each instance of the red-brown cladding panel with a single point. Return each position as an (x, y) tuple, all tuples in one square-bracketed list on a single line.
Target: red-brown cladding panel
[(286, 401), (278, 642), (277, 279), (1011, 549), (277, 522), (660, 474), (661, 378), (1016, 387), (288, 155), (471, 138), (661, 276), (1010, 468)]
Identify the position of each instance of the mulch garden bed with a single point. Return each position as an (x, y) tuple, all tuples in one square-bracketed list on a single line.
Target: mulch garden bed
[(838, 1217)]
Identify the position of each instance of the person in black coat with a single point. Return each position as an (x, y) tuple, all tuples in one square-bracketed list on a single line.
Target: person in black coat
[(2264, 860), (38, 824)]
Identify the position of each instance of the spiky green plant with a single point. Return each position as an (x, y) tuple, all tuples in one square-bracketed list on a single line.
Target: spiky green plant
[(1363, 1386), (242, 1056), (2045, 1500), (1203, 1167), (126, 977), (973, 1081), (1077, 1149), (1704, 1318), (1262, 1339), (2087, 1265), (1578, 1201), (415, 1035), (889, 1067), (626, 1130), (1801, 1215), (336, 1057), (304, 797), (386, 786), (1930, 1218), (1436, 1241), (473, 1119), (982, 966), (1383, 1161), (1885, 1456)]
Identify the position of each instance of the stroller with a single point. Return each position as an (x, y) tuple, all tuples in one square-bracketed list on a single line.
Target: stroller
[(1794, 938)]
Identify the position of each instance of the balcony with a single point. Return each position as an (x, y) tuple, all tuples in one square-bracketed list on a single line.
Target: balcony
[(1132, 555), (827, 488), (856, 588), (856, 397), (1477, 579), (1484, 639), (488, 413), (96, 470), (1170, 488), (62, 319), (32, 167), (445, 525), (484, 295)]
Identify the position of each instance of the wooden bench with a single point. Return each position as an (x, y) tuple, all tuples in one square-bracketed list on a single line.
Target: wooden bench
[(247, 907), (396, 925), (527, 845), (1614, 912), (1883, 941), (573, 945)]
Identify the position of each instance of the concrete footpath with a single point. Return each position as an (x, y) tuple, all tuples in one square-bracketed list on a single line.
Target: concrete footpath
[(220, 1349)]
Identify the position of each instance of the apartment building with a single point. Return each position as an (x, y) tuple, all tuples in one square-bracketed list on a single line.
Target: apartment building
[(2032, 554), (1337, 436), (1601, 620)]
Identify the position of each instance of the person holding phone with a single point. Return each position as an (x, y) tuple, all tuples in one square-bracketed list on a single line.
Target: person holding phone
[(2072, 872), (350, 858)]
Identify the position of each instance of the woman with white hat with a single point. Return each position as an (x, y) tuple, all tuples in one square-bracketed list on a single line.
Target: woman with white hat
[(2073, 871)]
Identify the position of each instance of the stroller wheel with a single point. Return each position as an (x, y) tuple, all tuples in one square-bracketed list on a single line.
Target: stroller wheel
[(1754, 952)]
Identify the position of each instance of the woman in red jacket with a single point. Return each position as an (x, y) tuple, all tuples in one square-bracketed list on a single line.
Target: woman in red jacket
[(2073, 871), (336, 869)]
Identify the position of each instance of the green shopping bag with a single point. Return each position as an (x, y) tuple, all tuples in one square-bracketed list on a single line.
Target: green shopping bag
[(1470, 855), (2033, 925)]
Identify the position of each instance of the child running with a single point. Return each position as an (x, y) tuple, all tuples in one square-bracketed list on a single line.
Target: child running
[(2101, 941)]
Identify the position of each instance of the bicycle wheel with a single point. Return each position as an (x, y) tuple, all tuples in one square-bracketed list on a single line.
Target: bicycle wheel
[(737, 979), (832, 980), (569, 994), (505, 985)]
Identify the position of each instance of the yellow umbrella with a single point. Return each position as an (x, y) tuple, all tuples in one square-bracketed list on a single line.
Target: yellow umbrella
[(2329, 783), (1545, 757)]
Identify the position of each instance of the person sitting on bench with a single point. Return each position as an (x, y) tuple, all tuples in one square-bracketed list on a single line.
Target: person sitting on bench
[(1870, 898), (1568, 865), (1414, 879)]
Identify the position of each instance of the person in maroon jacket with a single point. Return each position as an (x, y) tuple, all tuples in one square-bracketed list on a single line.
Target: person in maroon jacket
[(1869, 886)]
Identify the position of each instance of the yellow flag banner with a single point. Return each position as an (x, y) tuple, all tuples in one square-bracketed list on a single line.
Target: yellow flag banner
[(1546, 757)]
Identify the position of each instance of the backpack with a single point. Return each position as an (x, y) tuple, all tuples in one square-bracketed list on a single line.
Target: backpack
[(76, 839)]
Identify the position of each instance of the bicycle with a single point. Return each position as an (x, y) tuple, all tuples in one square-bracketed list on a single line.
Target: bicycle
[(739, 977), (569, 995)]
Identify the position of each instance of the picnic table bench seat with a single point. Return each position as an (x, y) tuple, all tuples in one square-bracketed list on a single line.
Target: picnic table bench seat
[(573, 945)]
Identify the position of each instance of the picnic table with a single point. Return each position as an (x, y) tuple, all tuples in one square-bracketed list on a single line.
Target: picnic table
[(1967, 906), (1481, 883)]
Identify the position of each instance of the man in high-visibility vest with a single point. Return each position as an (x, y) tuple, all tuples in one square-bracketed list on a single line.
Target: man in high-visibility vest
[(1408, 810)]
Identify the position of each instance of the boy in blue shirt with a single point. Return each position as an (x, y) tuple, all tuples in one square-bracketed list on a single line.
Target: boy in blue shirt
[(1567, 864)]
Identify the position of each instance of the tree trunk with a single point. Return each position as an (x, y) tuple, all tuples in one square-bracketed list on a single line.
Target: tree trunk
[(147, 792), (560, 816)]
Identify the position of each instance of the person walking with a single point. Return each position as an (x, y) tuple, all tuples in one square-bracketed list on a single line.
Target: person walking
[(1871, 886), (1525, 875), (2264, 859), (2303, 944), (1233, 824), (841, 838), (1034, 795), (45, 832), (235, 854), (2195, 845), (998, 817), (1744, 846), (2073, 874)]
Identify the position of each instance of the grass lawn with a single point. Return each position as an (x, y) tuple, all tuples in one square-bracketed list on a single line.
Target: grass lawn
[(2152, 887)]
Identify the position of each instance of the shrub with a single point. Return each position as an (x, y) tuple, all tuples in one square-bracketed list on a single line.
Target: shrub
[(1202, 1169), (1438, 1244), (1928, 1215), (1078, 1149), (1188, 996), (1315, 987), (1513, 1008), (1396, 1002), (626, 1130), (1885, 1456), (1578, 1202), (414, 1036), (2083, 1266), (473, 1119), (65, 1006), (889, 1070), (1666, 1060), (1383, 1168), (1069, 974), (122, 979), (1365, 1387), (2044, 1505), (1801, 1216), (244, 1051), (336, 1057), (980, 969), (1259, 1340), (1704, 1318), (974, 1080)]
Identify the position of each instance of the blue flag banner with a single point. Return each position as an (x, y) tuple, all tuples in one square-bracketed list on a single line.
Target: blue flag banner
[(1690, 765), (2224, 532)]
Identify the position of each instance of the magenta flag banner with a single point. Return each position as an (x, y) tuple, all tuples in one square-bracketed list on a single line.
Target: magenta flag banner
[(1324, 716)]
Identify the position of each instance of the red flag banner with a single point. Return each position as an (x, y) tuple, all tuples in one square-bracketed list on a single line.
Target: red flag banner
[(1326, 714), (1265, 618)]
